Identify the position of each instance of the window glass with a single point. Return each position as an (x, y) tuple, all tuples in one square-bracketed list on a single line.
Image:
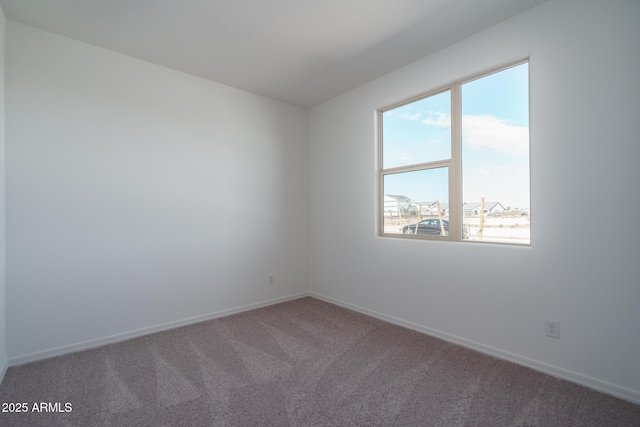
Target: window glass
[(418, 132), (495, 156), (413, 196)]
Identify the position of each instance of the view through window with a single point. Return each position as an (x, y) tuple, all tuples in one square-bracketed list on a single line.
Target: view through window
[(454, 165)]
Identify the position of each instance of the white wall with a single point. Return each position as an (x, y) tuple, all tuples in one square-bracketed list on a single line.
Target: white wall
[(139, 196), (3, 337), (581, 269)]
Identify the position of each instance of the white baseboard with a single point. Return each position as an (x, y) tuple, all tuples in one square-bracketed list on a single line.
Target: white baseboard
[(583, 380), (85, 345)]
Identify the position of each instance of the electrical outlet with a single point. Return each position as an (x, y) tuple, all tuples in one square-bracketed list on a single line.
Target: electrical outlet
[(272, 280), (552, 328)]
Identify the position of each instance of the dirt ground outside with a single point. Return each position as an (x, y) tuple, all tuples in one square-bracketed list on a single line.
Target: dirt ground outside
[(515, 228)]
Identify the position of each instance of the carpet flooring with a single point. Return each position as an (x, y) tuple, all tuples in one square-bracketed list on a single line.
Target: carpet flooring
[(299, 363)]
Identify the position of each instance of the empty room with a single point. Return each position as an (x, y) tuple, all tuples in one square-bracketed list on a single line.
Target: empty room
[(319, 213)]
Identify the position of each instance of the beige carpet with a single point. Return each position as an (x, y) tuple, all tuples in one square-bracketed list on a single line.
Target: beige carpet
[(299, 363)]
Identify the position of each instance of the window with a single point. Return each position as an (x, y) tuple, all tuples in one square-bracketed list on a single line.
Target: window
[(454, 164)]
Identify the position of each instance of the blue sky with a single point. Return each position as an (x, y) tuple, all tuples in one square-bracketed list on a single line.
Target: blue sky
[(495, 141)]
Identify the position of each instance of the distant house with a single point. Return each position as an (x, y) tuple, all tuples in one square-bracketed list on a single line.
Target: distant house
[(473, 209), (395, 205), (430, 208)]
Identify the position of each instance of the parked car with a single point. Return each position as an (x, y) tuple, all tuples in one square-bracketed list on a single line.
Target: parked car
[(431, 227)]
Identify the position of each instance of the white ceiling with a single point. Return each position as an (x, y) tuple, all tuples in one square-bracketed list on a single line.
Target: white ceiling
[(302, 52)]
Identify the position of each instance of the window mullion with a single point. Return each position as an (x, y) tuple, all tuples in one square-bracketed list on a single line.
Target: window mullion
[(412, 168), (455, 171)]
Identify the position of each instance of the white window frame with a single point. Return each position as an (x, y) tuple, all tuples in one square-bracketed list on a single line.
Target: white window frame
[(454, 163)]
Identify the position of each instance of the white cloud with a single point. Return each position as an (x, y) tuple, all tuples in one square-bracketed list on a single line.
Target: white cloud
[(493, 133), (434, 141), (402, 156), (438, 119), (408, 115), (479, 132), (433, 118), (483, 132)]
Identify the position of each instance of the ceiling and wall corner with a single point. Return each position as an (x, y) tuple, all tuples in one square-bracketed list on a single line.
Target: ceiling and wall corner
[(302, 52)]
